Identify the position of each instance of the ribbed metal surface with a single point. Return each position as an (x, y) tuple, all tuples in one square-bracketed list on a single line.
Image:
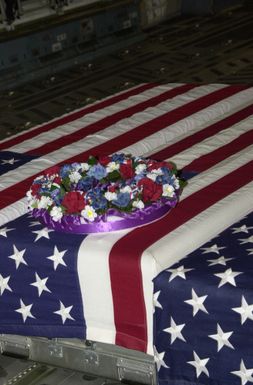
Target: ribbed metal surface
[(18, 372), (40, 361)]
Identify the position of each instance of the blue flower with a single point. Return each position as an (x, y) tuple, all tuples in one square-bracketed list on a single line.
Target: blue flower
[(139, 177), (166, 178), (85, 184), (55, 195), (166, 171), (76, 166), (65, 170), (98, 201), (97, 171), (122, 200), (45, 190), (118, 158), (161, 179)]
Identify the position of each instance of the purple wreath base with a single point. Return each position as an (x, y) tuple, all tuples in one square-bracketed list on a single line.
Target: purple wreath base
[(137, 218)]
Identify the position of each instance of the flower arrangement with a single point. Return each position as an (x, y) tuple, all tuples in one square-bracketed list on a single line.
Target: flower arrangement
[(71, 195)]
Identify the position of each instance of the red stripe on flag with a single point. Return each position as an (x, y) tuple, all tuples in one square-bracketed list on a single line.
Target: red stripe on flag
[(17, 191), (206, 161), (75, 115), (197, 137), (108, 121), (125, 267)]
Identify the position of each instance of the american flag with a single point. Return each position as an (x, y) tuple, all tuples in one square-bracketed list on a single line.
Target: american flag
[(204, 312), (105, 291)]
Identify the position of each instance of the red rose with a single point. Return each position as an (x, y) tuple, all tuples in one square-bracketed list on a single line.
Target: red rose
[(156, 165), (57, 180), (52, 170), (35, 188), (112, 188), (126, 170), (104, 160), (151, 191), (74, 202)]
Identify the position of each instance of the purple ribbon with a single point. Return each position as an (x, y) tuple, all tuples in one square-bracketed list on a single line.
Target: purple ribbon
[(137, 218)]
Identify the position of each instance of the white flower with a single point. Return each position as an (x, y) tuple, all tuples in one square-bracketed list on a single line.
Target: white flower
[(140, 168), (138, 204), (168, 190), (29, 195), (126, 189), (176, 183), (89, 213), (32, 201), (112, 166), (152, 176), (56, 213), (85, 166), (44, 202), (110, 196), (75, 176), (38, 178)]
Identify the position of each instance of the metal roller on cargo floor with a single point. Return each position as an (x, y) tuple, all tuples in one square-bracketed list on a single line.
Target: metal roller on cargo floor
[(87, 357)]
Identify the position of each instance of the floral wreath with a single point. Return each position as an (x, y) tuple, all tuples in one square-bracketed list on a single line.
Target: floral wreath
[(92, 196)]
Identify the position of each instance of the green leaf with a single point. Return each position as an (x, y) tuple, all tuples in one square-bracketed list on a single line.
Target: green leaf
[(114, 176), (66, 183), (92, 160), (182, 183)]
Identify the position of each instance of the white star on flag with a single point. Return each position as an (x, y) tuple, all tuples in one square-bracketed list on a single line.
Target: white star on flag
[(40, 284), (4, 231), (246, 240), (155, 300), (34, 223), (245, 310), (250, 251), (4, 284), (25, 310), (197, 303), (9, 161), (42, 233), (228, 276), (242, 229), (222, 338), (18, 256), (57, 257), (159, 359), (244, 373), (219, 261), (64, 312), (178, 272), (199, 364), (213, 249), (175, 331)]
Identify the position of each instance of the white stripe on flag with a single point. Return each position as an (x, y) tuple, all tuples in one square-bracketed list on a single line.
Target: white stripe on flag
[(202, 227), (210, 144), (13, 211), (184, 128), (94, 278)]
